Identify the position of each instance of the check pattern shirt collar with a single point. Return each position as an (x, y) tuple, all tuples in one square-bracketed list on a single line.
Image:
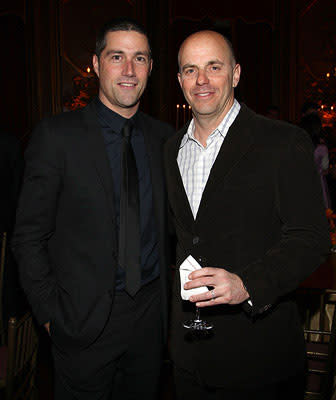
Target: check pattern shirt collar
[(195, 161)]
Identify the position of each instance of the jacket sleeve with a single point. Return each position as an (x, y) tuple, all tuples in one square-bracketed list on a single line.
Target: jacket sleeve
[(304, 242), (35, 220)]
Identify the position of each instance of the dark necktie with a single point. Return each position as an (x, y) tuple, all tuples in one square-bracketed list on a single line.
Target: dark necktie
[(129, 235)]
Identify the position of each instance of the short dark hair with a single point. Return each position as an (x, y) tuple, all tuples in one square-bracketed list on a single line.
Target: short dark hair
[(118, 24)]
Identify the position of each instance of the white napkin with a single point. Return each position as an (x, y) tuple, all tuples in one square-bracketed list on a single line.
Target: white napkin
[(189, 265)]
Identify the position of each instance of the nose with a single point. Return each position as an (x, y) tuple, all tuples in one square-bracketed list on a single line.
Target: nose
[(202, 77), (128, 69)]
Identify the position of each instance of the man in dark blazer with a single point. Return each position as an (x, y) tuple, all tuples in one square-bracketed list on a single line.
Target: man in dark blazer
[(107, 340), (244, 196)]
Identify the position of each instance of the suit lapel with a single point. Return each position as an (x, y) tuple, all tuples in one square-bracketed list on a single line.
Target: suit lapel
[(236, 144), (177, 188), (154, 144), (154, 151), (96, 152)]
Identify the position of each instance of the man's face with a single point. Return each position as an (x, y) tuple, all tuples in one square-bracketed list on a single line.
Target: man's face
[(123, 69), (208, 74)]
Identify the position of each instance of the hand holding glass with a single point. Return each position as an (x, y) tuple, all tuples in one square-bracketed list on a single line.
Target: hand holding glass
[(197, 324)]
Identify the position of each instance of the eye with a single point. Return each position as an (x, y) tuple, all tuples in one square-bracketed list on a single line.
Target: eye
[(116, 57), (189, 71), (215, 68), (141, 59)]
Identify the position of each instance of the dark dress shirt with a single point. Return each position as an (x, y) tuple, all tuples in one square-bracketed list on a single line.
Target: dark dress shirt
[(111, 125)]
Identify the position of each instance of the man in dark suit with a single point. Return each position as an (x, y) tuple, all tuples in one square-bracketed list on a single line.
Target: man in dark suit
[(90, 237), (245, 197)]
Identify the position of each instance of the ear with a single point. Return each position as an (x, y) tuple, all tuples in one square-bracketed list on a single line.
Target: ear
[(150, 67), (236, 75), (95, 63), (179, 78)]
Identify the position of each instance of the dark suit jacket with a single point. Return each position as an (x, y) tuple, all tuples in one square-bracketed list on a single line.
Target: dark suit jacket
[(261, 217), (65, 237)]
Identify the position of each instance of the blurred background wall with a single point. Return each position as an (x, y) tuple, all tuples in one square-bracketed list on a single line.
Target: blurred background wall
[(286, 49)]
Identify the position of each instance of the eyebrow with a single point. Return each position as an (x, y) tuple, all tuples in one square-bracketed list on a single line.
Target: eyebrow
[(142, 53), (188, 66), (112, 51), (212, 62)]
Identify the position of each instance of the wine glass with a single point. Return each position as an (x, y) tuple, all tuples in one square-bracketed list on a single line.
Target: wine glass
[(197, 324)]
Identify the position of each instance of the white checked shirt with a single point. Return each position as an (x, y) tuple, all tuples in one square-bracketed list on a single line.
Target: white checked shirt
[(195, 161)]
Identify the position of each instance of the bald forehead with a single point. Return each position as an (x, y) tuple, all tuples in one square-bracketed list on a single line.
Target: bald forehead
[(203, 38)]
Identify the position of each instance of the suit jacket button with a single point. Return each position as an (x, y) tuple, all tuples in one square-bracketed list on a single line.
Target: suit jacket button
[(195, 240)]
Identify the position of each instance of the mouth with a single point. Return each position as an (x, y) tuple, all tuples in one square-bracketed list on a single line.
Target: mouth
[(127, 84), (204, 94)]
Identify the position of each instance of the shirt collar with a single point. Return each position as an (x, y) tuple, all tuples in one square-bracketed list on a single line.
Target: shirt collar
[(222, 128), (111, 119)]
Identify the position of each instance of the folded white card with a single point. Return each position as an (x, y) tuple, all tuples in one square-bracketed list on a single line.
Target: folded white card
[(189, 265)]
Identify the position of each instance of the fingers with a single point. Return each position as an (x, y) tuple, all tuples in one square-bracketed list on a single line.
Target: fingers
[(208, 276), (211, 298), (203, 281), (228, 288), (206, 271), (208, 296), (209, 303), (207, 299)]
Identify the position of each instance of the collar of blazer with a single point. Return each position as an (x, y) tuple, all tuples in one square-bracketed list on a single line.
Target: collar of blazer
[(237, 142)]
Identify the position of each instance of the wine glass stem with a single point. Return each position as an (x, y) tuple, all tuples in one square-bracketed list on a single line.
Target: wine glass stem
[(197, 314)]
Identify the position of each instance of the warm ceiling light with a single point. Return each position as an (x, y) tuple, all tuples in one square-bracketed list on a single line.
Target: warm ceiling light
[(322, 107), (88, 70), (328, 75)]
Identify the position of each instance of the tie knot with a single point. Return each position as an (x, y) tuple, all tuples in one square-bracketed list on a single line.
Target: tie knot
[(127, 128)]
